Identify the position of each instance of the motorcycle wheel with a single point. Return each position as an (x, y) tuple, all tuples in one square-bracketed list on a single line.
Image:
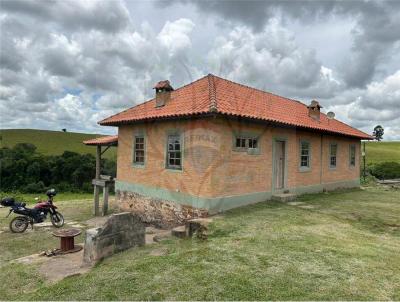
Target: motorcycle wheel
[(19, 224), (57, 219)]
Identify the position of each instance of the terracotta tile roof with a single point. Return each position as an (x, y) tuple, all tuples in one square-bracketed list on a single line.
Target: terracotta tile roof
[(103, 141), (215, 95)]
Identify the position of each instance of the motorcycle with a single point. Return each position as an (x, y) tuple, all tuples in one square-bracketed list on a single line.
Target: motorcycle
[(37, 214)]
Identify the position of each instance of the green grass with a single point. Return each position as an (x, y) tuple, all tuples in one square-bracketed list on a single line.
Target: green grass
[(18, 245), (30, 197), (334, 246), (52, 142), (377, 152)]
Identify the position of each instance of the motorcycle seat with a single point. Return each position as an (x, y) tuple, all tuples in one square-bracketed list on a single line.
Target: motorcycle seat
[(7, 202)]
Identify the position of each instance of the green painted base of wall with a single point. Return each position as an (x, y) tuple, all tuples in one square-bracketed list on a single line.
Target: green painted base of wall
[(326, 187), (220, 204)]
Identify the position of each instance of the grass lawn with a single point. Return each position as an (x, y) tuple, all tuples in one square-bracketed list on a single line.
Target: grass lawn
[(378, 152), (30, 197), (52, 142), (331, 246)]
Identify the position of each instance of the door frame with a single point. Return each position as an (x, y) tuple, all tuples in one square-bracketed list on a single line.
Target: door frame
[(273, 183)]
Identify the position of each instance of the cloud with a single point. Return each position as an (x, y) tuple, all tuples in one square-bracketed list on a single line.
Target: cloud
[(271, 60), (68, 64), (112, 67), (378, 103), (108, 16), (174, 36), (374, 35)]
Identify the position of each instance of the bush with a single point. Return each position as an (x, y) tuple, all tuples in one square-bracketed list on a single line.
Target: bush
[(35, 187), (386, 170), (23, 169)]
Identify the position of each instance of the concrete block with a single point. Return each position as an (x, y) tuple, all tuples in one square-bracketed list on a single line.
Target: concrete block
[(285, 197), (120, 232)]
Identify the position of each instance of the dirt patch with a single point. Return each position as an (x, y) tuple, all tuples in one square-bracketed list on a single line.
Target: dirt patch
[(307, 206), (59, 267), (159, 252), (154, 235), (295, 203)]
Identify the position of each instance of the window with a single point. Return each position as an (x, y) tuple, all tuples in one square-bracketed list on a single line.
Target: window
[(332, 155), (245, 143), (252, 143), (240, 142), (138, 154), (304, 154), (174, 152), (352, 155)]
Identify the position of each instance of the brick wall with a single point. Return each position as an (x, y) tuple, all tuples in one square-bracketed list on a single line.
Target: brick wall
[(211, 167)]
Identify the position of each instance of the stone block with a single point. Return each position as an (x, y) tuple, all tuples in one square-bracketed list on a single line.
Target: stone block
[(179, 231), (120, 232), (157, 212), (198, 227), (286, 197)]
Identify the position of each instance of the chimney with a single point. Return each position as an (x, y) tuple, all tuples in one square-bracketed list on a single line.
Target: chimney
[(163, 93), (314, 110)]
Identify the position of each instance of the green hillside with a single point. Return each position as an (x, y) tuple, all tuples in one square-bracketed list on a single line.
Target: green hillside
[(377, 152), (56, 142), (52, 142)]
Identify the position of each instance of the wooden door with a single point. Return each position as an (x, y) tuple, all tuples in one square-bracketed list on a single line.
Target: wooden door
[(279, 164)]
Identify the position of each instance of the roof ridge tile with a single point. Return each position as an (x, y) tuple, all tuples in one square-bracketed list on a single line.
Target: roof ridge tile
[(212, 93)]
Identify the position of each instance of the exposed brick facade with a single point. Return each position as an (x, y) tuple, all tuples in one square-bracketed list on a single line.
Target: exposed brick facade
[(211, 166)]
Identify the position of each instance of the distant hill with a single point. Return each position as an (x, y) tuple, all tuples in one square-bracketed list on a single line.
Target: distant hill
[(377, 152), (56, 142), (52, 142)]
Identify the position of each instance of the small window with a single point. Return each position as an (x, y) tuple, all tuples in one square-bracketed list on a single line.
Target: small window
[(252, 143), (138, 155), (245, 143), (304, 154), (174, 152), (352, 155), (240, 142), (332, 155)]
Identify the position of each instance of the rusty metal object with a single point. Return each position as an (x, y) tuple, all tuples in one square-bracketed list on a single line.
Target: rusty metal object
[(67, 244)]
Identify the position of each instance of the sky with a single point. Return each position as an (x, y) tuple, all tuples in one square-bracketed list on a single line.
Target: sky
[(68, 64)]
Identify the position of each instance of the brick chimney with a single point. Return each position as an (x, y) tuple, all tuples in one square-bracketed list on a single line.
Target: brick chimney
[(314, 110), (163, 93)]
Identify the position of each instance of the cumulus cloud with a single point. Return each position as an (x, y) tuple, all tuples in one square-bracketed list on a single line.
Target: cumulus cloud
[(109, 16), (69, 64), (271, 60), (379, 103), (72, 75), (374, 35)]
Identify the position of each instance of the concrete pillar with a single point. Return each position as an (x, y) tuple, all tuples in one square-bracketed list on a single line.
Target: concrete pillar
[(96, 211), (105, 200)]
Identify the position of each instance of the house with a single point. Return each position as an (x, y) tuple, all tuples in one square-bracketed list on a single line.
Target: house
[(213, 145)]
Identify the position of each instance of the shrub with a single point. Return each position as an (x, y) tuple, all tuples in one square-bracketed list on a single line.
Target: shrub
[(35, 187), (23, 169), (386, 170)]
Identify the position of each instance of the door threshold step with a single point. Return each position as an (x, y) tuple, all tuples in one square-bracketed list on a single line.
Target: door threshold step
[(285, 197)]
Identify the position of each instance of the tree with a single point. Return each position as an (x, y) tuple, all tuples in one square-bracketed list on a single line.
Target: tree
[(378, 133)]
